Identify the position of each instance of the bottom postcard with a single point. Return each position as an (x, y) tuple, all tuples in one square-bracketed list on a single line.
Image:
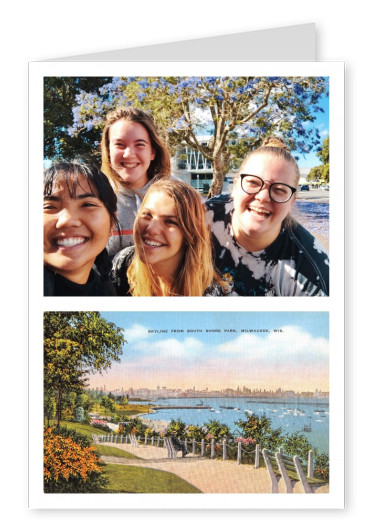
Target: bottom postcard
[(188, 403)]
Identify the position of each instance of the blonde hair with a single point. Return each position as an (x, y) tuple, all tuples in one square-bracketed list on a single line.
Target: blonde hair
[(196, 272), (159, 168), (275, 147)]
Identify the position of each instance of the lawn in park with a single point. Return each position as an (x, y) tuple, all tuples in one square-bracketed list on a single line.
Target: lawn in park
[(130, 478)]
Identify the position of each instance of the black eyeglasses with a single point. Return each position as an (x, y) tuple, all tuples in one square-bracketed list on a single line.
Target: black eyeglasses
[(278, 192)]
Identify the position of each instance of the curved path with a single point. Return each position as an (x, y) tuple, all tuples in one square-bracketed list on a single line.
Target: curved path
[(208, 475)]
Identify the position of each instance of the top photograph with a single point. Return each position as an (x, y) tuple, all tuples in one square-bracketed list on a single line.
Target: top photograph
[(186, 186)]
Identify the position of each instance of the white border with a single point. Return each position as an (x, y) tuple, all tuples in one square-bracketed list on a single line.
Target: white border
[(333, 304)]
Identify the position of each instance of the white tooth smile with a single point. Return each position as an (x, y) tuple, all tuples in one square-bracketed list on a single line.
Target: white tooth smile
[(69, 242), (130, 165), (153, 244), (259, 211)]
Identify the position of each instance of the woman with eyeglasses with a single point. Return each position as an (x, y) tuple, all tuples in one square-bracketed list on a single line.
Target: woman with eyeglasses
[(260, 249)]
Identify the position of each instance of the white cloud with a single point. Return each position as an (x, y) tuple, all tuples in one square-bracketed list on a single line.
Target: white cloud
[(292, 343), (136, 332)]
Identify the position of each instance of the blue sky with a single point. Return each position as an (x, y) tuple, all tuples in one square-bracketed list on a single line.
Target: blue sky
[(322, 123), (295, 358)]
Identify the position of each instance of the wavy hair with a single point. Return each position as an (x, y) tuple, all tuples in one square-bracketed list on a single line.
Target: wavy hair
[(196, 272), (159, 168)]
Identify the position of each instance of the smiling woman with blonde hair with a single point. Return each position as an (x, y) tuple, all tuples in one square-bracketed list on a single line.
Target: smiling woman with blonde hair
[(172, 253), (259, 247)]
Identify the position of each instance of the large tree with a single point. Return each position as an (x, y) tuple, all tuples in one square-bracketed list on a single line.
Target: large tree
[(321, 173), (75, 345), (236, 112), (59, 98)]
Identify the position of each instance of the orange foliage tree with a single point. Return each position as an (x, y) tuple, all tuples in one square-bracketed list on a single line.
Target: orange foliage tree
[(70, 465)]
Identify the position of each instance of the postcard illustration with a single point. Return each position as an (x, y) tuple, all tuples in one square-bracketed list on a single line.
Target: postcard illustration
[(186, 402)]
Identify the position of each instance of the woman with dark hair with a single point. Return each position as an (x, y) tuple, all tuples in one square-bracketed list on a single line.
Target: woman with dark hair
[(172, 255), (79, 214), (133, 157), (259, 248)]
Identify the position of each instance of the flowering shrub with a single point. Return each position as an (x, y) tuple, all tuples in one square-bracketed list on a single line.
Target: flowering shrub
[(149, 433), (322, 467), (99, 423), (70, 465), (245, 441)]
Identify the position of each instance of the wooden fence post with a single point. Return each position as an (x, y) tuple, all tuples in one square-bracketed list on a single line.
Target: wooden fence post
[(158, 440), (310, 465), (224, 449), (239, 459), (186, 445), (284, 473), (212, 450), (194, 447), (202, 447), (257, 456), (303, 479), (152, 441), (272, 476)]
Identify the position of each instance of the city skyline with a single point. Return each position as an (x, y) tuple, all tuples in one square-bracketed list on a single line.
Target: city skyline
[(220, 350)]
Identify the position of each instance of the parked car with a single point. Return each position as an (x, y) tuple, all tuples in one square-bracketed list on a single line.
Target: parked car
[(304, 188)]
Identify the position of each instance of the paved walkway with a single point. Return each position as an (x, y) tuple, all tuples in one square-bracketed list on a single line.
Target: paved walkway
[(208, 475)]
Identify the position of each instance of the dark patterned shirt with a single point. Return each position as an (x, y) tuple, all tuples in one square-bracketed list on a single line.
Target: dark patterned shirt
[(295, 264)]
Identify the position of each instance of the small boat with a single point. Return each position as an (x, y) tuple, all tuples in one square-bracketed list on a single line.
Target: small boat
[(307, 427)]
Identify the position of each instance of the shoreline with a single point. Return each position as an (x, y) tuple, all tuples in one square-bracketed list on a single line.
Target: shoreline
[(156, 425)]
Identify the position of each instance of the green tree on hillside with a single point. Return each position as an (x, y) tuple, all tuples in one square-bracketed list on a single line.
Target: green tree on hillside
[(75, 345), (108, 403)]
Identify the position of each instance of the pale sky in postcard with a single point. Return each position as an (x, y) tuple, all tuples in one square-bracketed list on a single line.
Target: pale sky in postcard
[(248, 350)]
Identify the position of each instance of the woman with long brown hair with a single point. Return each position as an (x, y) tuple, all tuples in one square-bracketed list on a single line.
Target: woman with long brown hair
[(172, 253), (134, 156)]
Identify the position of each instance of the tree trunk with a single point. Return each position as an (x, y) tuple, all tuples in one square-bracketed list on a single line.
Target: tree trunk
[(220, 167), (58, 407)]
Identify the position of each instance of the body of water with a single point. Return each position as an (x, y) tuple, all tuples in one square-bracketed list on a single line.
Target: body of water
[(291, 415)]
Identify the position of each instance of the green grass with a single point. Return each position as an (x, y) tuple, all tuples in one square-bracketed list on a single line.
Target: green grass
[(128, 409), (112, 451), (124, 478), (82, 429)]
